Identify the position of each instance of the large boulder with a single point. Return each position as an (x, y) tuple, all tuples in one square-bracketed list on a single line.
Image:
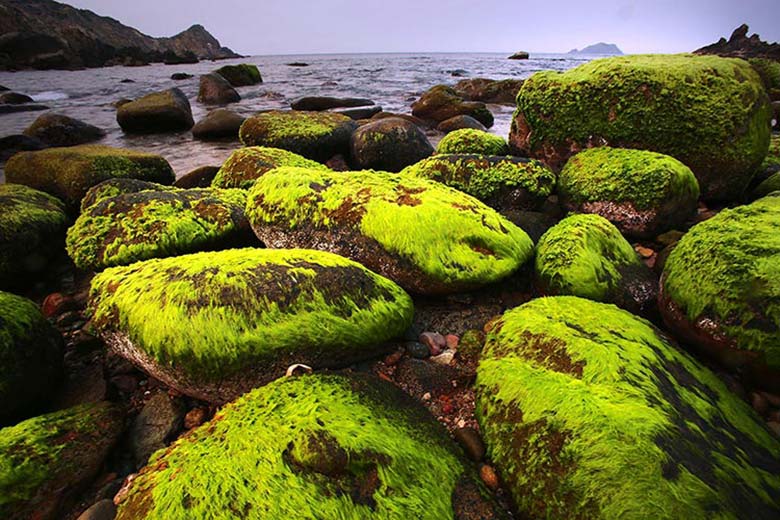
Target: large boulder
[(503, 183), (315, 135), (586, 256), (67, 173), (241, 75), (442, 102), (116, 187), (719, 288), (388, 144), (158, 112), (503, 91), (319, 103), (60, 130), (218, 124), (30, 358), (710, 113), (215, 325), (32, 232), (246, 165), (425, 236), (472, 141), (46, 461), (318, 446), (590, 412), (643, 193), (215, 90), (126, 228)]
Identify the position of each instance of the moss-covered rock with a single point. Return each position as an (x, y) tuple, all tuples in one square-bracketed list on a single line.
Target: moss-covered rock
[(590, 412), (441, 102), (642, 193), (424, 236), (711, 113), (770, 185), (215, 325), (30, 357), (67, 173), (32, 232), (586, 256), (389, 144), (771, 162), (504, 183), (129, 227), (720, 287), (471, 141), (158, 112), (769, 70), (61, 130), (318, 446), (241, 75), (503, 91), (246, 165), (314, 135), (115, 187), (46, 461)]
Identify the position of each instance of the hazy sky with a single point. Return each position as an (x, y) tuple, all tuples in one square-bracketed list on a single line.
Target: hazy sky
[(311, 26)]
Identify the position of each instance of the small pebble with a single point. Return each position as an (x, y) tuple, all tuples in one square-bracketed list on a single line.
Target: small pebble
[(644, 252), (434, 341), (394, 358), (445, 358), (417, 350), (451, 341), (56, 303), (471, 443), (759, 403), (489, 477), (426, 396), (194, 418)]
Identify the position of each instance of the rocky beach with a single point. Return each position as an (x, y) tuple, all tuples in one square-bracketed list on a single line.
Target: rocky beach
[(435, 286)]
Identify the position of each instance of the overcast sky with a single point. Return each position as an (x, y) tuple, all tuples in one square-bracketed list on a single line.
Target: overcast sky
[(332, 26)]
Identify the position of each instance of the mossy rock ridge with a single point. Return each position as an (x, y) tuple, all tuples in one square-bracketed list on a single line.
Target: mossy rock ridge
[(246, 165), (472, 141)]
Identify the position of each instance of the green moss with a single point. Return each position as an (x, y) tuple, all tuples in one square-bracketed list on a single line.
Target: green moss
[(120, 186), (486, 177), (319, 446), (469, 140), (771, 184), (150, 224), (574, 397), (711, 113), (245, 165), (448, 235), (583, 255), (646, 179), (769, 70), (772, 159), (241, 75), (67, 173), (726, 268), (213, 314)]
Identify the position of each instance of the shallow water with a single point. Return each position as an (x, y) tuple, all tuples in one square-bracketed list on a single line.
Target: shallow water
[(393, 81)]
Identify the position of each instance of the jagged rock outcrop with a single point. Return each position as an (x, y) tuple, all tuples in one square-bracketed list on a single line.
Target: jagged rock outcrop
[(740, 45)]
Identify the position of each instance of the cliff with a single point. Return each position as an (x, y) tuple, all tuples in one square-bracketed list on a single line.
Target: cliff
[(740, 45)]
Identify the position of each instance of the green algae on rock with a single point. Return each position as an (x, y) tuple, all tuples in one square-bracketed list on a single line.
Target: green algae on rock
[(586, 256), (32, 231), (241, 75), (215, 325), (472, 141), (711, 113), (245, 165), (591, 413), (503, 183), (67, 173), (769, 185), (318, 446), (642, 193), (158, 112), (720, 289), (129, 227), (115, 187), (314, 135), (47, 460), (426, 237), (30, 357)]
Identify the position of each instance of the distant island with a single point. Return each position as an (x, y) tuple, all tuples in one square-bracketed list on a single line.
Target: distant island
[(609, 49), (43, 34)]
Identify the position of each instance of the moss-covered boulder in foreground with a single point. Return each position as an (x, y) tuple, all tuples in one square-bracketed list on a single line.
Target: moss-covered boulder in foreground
[(137, 226), (642, 193), (586, 256), (67, 173), (215, 325), (472, 141), (318, 446), (424, 236), (245, 165), (241, 75), (30, 357), (721, 290), (115, 187), (711, 113), (314, 135), (32, 231), (46, 461), (504, 183), (589, 412)]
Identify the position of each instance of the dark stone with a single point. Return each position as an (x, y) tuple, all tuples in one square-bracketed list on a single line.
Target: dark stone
[(179, 76), (102, 510), (216, 90), (534, 223), (61, 130), (160, 419), (11, 144), (218, 124), (442, 102), (241, 75), (320, 103), (389, 145), (739, 45), (519, 55), (197, 178), (489, 90), (12, 109), (460, 122), (159, 112), (360, 113), (14, 98), (417, 350), (297, 64), (471, 442)]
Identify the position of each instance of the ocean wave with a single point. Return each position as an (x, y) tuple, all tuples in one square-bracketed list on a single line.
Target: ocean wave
[(50, 95)]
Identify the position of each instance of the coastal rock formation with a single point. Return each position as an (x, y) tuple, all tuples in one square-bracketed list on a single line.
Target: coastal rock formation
[(241, 75), (215, 325), (218, 124), (30, 358), (710, 113), (320, 103), (519, 55), (246, 165), (389, 144), (599, 49), (126, 228), (441, 102), (470, 141), (643, 193), (67, 173), (350, 446), (574, 396), (586, 256), (719, 290), (158, 112), (501, 91), (61, 130), (739, 45), (426, 237), (215, 90)]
